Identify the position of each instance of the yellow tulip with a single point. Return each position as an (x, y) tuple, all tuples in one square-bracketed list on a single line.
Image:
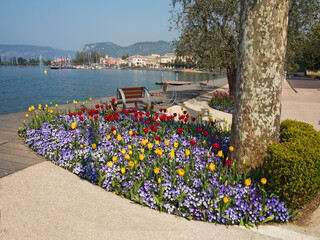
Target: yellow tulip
[(141, 157), (159, 180), (130, 133), (176, 144), (187, 152), (247, 182), (108, 137), (32, 108), (123, 151), (110, 164), (90, 99), (225, 199), (181, 172), (130, 152), (94, 146), (57, 105), (142, 150), (27, 115), (114, 158), (81, 146), (73, 125), (172, 154), (131, 164), (29, 109), (263, 181), (212, 167), (220, 153), (128, 157), (149, 145), (156, 170), (166, 143), (51, 111), (129, 146), (123, 170), (231, 149), (156, 142), (119, 137), (114, 131)]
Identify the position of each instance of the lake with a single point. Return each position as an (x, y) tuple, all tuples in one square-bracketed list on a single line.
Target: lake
[(22, 87)]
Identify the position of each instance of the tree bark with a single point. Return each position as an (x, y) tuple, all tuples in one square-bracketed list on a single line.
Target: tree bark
[(262, 48), (232, 78)]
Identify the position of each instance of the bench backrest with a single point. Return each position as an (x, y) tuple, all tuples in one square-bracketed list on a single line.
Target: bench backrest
[(131, 92)]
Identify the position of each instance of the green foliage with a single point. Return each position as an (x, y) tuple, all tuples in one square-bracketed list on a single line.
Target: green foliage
[(293, 165), (303, 16)]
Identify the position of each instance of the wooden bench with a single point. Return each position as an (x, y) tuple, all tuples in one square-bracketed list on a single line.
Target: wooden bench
[(131, 95)]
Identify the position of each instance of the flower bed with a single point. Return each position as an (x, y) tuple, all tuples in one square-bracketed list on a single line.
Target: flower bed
[(161, 160), (222, 101)]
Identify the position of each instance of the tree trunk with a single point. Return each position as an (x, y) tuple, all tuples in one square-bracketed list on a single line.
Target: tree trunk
[(262, 48), (232, 78)]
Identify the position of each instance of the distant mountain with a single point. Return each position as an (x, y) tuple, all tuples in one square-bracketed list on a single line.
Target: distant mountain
[(28, 51), (141, 48)]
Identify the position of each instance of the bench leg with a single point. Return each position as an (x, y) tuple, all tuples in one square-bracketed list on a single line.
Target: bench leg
[(136, 105)]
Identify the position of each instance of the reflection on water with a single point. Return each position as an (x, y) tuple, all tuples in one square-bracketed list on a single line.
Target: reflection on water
[(22, 87)]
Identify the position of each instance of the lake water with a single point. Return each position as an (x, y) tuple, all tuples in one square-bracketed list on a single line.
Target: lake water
[(21, 87)]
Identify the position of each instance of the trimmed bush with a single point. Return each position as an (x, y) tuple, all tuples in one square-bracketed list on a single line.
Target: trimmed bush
[(293, 165)]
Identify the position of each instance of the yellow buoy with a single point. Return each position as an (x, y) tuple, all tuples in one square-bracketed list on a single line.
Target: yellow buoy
[(45, 71)]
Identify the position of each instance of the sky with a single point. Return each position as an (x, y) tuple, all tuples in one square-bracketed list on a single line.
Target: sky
[(70, 24)]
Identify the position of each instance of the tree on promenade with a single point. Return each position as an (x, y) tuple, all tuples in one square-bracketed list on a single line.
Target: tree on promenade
[(303, 15), (262, 48), (210, 32)]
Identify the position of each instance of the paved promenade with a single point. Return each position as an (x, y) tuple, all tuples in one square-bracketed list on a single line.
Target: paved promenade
[(44, 201)]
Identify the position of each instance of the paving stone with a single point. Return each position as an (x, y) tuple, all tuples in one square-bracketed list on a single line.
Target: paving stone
[(11, 166), (21, 153), (16, 145), (4, 173), (3, 142), (19, 160)]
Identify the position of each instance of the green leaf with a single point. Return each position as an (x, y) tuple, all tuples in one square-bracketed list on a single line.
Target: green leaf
[(268, 219)]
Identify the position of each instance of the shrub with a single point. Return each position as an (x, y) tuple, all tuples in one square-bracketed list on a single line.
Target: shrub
[(293, 166)]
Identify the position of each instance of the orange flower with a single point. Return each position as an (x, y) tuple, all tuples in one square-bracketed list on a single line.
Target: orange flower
[(94, 146), (131, 164), (247, 182), (212, 167), (73, 125), (156, 170), (181, 172), (263, 181)]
